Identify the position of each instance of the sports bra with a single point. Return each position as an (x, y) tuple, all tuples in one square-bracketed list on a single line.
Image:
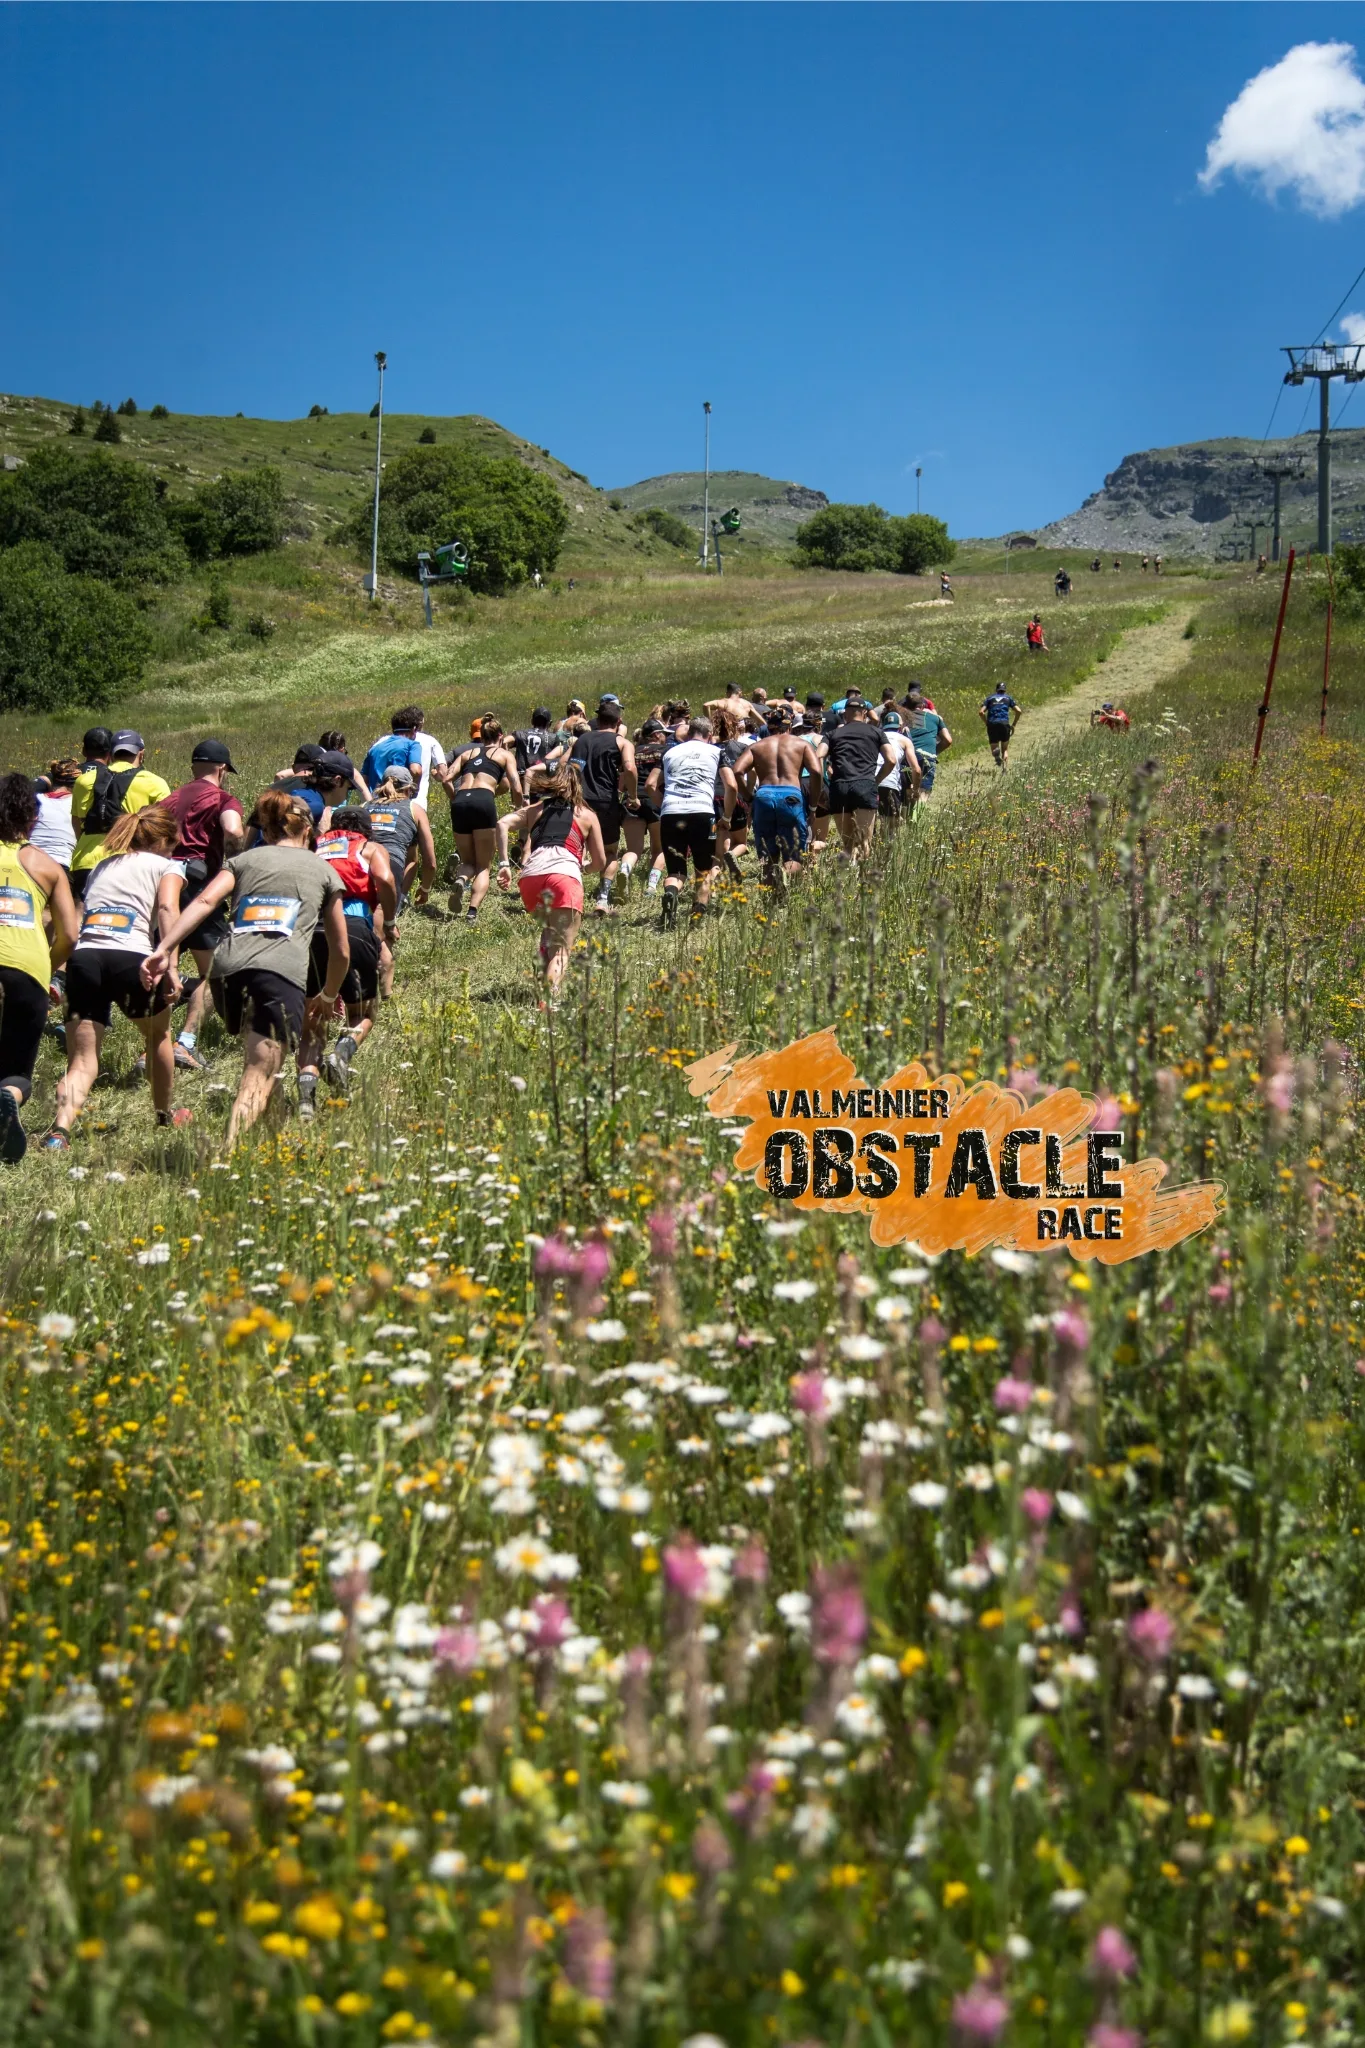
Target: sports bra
[(557, 826)]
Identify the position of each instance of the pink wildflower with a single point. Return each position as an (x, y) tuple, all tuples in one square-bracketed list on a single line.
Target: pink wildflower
[(1037, 1506), (1220, 1293), (456, 1650), (1103, 2035), (684, 1570), (589, 1960), (1071, 1330), (750, 1567), (1111, 1958), (839, 1621), (551, 1626), (1108, 1116), (808, 1394), (556, 1258), (751, 1804), (1012, 1395), (1150, 1635), (980, 2014), (710, 1849), (932, 1333)]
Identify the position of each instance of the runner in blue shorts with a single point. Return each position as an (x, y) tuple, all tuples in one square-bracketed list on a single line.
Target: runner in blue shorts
[(770, 774)]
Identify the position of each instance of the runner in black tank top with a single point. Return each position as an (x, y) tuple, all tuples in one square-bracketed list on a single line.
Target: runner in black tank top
[(650, 742), (857, 753)]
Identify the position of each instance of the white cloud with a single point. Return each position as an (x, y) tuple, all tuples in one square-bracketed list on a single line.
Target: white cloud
[(1299, 126), (1353, 327)]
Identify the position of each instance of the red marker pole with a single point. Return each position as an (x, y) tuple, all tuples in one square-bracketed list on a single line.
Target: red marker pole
[(1327, 649), (1274, 657)]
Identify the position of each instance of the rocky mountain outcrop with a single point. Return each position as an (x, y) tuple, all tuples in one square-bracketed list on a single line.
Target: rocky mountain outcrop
[(1202, 498)]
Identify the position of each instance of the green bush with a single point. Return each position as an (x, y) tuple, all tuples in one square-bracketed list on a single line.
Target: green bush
[(77, 425), (427, 437), (108, 428), (863, 537), (233, 515), (670, 528), (260, 626), (218, 607), (64, 639), (512, 519), (159, 412), (101, 515)]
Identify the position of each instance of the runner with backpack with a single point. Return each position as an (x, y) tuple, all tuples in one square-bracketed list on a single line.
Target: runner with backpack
[(113, 782)]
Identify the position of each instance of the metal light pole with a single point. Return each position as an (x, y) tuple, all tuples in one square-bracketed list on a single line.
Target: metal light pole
[(918, 474), (381, 360), (1325, 360), (706, 494)]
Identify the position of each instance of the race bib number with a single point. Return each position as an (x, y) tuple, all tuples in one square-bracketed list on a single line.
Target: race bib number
[(267, 916), (117, 919), (16, 907), (333, 847), (384, 821)]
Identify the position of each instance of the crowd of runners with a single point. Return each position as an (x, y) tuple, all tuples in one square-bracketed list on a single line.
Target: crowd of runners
[(112, 881)]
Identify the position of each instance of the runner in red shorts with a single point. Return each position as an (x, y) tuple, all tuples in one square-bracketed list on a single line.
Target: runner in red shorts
[(562, 828)]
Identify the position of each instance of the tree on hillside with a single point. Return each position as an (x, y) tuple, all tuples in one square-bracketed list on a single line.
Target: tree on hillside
[(670, 528), (511, 518), (77, 425), (863, 537), (847, 537), (921, 542), (102, 515), (233, 515), (317, 412), (64, 639), (427, 437), (159, 412), (129, 408), (108, 428)]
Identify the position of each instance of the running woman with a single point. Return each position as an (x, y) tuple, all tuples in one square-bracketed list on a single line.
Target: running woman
[(1000, 714), (770, 771), (563, 829), (398, 823), (928, 734), (54, 832), (135, 888), (370, 904), (688, 776), (30, 884), (280, 892), (731, 729), (605, 759), (859, 762), (474, 777)]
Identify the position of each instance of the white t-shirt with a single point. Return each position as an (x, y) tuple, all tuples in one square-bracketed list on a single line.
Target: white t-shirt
[(54, 833), (898, 744), (433, 753), (690, 771), (120, 902)]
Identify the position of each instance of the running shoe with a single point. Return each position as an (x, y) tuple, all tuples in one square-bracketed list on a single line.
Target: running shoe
[(668, 917), (186, 1057), (55, 1141), (177, 1120), (13, 1137)]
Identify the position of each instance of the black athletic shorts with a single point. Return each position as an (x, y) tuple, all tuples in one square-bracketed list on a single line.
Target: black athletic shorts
[(209, 936), (852, 794), (693, 833), (473, 810), (98, 977), (611, 817), (23, 1019), (817, 798), (266, 1002), (648, 813), (79, 878), (890, 801), (362, 976), (739, 818)]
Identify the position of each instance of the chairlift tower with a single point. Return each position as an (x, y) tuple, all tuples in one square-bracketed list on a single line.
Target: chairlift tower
[(1325, 360), (1287, 469)]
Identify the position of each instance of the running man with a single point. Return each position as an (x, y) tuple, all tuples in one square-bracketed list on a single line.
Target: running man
[(687, 777), (859, 762), (771, 773), (1033, 635), (893, 791), (399, 748), (929, 735), (1000, 714), (605, 760), (103, 792), (210, 827), (536, 745), (1112, 716)]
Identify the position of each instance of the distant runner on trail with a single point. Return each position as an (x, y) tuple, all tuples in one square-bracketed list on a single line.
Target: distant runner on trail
[(771, 773), (945, 585), (1033, 634), (1000, 714), (1113, 716)]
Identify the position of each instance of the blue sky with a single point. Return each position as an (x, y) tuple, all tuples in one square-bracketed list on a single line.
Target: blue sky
[(871, 235)]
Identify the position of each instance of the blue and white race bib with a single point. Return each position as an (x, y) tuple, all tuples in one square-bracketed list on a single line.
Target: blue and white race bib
[(266, 916), (16, 906)]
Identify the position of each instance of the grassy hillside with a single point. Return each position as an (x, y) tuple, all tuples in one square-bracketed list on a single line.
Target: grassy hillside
[(771, 509), (328, 465)]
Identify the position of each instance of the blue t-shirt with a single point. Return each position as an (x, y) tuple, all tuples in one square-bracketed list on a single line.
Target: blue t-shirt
[(395, 750), (997, 708), (924, 728)]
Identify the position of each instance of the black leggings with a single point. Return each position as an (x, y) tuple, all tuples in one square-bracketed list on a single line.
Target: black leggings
[(23, 1014)]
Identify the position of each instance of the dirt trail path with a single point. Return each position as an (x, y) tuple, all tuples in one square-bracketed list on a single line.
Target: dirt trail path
[(1144, 657)]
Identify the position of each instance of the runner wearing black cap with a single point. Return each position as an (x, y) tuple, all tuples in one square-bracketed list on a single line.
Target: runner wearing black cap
[(211, 828), (103, 792)]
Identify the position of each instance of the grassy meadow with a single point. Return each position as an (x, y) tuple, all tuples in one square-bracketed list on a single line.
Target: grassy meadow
[(478, 1570)]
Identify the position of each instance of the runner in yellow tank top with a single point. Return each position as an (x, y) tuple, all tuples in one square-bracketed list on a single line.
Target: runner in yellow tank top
[(31, 883)]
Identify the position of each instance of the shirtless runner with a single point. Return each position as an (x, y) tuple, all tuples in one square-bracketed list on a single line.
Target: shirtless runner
[(772, 771)]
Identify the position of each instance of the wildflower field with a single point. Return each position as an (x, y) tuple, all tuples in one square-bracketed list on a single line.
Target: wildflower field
[(480, 1570)]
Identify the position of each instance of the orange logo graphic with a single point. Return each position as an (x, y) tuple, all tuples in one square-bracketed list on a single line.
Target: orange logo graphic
[(942, 1164)]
